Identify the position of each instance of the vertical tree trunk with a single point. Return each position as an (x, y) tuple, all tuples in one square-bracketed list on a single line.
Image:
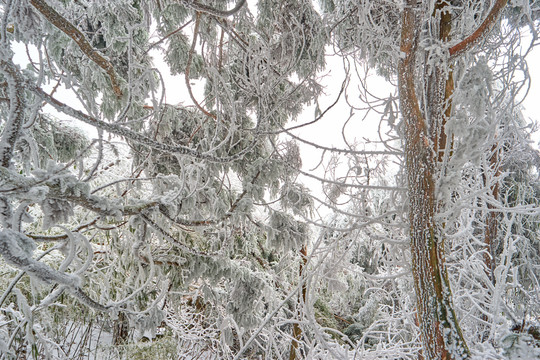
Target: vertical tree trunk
[(492, 218), (440, 331), (297, 331), (490, 232)]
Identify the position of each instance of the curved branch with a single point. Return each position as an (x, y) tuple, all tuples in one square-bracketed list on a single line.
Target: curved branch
[(70, 30), (482, 30)]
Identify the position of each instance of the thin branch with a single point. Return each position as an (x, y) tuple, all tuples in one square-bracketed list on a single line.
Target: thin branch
[(132, 135), (167, 36), (174, 241), (64, 236), (21, 274)]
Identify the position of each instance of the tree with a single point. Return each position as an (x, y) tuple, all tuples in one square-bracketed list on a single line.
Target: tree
[(430, 101), (192, 218)]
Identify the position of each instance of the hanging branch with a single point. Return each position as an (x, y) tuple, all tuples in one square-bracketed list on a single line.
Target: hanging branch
[(188, 66), (70, 30), (14, 254)]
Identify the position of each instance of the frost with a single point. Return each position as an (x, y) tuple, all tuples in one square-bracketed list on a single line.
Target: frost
[(520, 346)]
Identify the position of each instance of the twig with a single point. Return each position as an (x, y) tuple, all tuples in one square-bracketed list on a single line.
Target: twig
[(167, 36), (212, 11)]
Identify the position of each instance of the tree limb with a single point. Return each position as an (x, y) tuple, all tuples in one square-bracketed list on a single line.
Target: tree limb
[(70, 30), (132, 135), (482, 30)]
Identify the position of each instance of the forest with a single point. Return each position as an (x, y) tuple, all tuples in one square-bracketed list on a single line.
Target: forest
[(268, 179)]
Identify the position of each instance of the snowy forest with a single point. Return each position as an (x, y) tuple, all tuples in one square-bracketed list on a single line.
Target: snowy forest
[(268, 179)]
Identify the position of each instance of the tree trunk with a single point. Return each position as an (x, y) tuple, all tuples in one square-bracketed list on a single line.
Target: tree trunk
[(297, 331), (440, 331)]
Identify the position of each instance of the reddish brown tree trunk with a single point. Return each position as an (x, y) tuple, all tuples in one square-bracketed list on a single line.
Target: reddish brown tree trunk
[(440, 331), (425, 145)]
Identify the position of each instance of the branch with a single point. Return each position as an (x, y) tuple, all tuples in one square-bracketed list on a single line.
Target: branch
[(20, 275), (188, 66), (97, 204), (14, 249), (174, 241), (227, 215), (212, 11), (70, 30), (132, 135), (10, 134), (167, 36), (36, 237), (482, 30)]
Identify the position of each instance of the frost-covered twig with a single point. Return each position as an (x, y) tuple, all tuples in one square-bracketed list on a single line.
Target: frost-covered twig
[(15, 248), (64, 236), (172, 240), (21, 274), (188, 66), (167, 36)]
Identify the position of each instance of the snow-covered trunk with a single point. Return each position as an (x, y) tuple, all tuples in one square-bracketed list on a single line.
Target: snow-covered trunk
[(297, 330), (492, 217), (439, 87), (440, 331)]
